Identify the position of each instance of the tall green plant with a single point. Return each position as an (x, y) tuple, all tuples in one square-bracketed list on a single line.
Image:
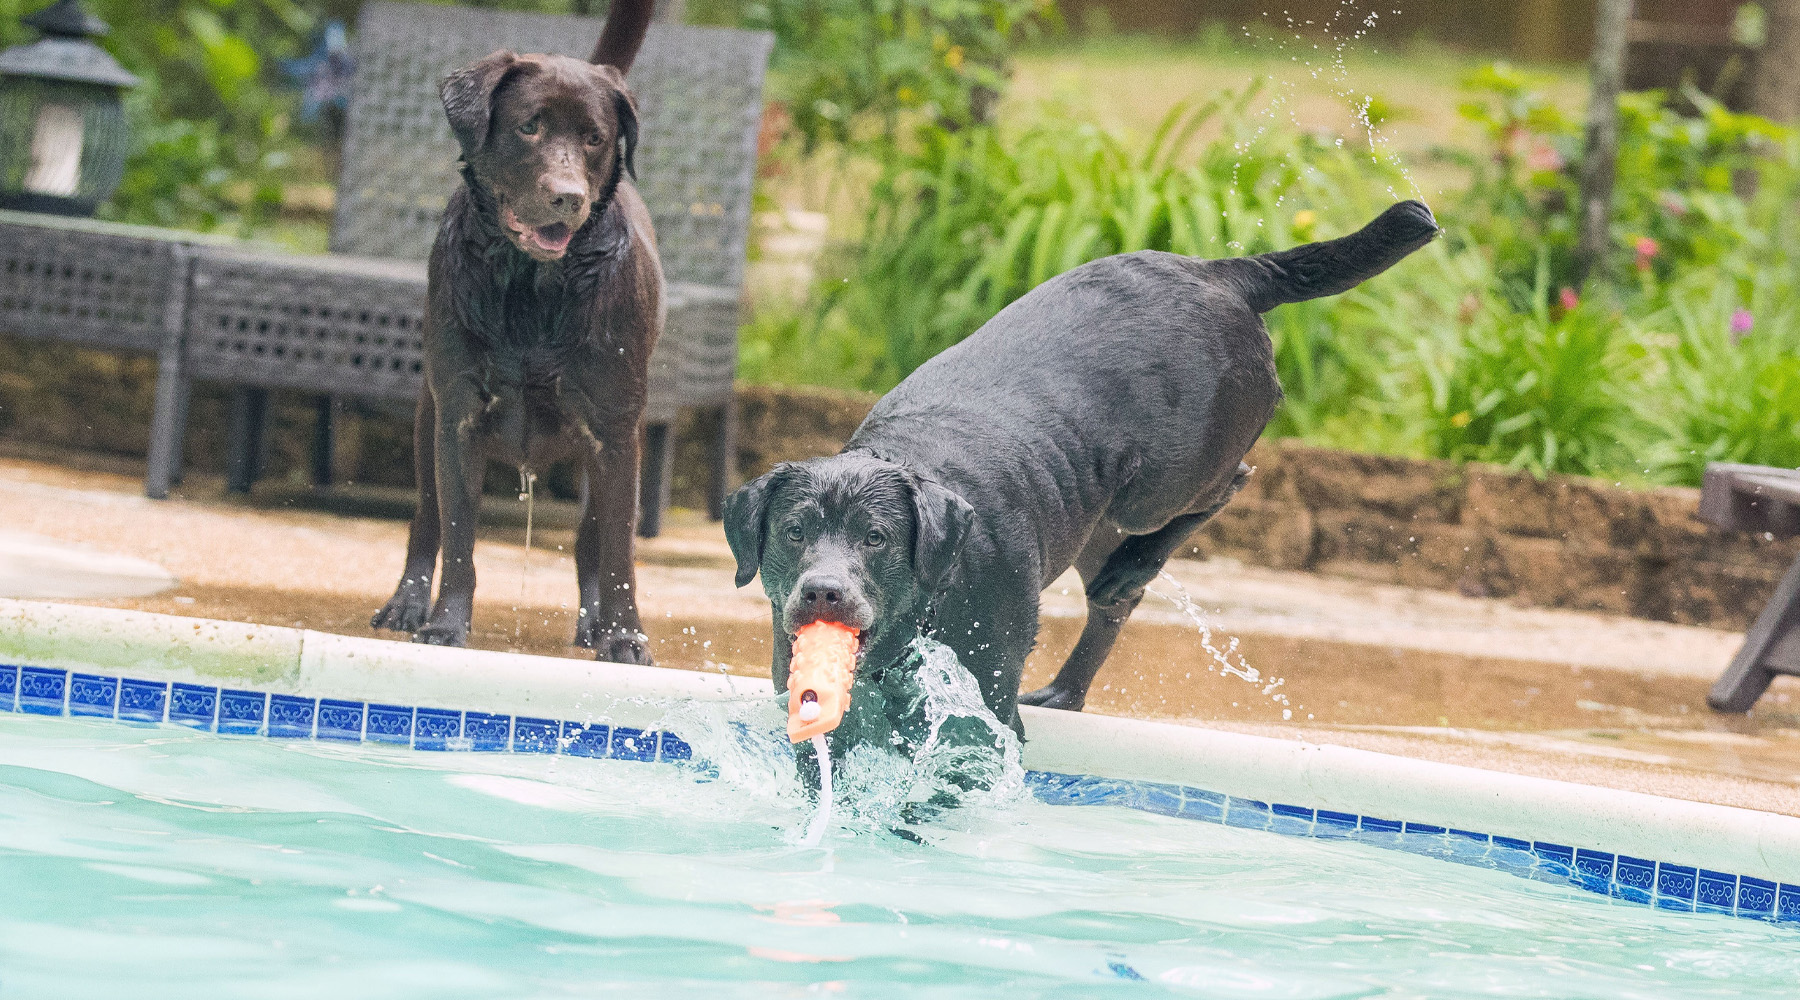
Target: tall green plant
[(969, 222), (1539, 391), (853, 69)]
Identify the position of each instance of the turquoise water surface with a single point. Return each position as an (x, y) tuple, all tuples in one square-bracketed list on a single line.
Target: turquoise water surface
[(150, 863)]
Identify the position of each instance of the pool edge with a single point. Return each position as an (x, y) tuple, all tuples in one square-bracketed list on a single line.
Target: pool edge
[(1328, 786)]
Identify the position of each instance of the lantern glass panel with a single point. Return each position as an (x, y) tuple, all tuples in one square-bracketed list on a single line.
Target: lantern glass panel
[(62, 145)]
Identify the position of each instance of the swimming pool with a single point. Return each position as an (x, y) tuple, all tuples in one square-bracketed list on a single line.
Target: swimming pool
[(153, 862)]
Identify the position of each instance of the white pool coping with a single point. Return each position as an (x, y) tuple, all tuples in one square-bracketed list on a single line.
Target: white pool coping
[(317, 664)]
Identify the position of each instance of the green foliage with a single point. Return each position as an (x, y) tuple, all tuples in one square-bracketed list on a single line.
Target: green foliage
[(1729, 396), (1674, 204), (853, 69), (971, 221), (1536, 391), (1475, 349), (213, 136)]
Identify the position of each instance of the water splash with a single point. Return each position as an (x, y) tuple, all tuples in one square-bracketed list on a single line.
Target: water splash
[(1334, 71), (992, 761), (1228, 661), (815, 833), (964, 755), (527, 496)]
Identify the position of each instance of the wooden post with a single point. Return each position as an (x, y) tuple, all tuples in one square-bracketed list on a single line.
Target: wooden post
[(1775, 92), (1601, 150)]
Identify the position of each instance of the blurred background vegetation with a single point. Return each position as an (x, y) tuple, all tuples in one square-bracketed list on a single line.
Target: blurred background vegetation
[(959, 152)]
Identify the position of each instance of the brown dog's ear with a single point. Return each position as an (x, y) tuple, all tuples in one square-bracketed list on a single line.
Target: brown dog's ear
[(942, 518), (747, 520), (626, 109), (468, 97)]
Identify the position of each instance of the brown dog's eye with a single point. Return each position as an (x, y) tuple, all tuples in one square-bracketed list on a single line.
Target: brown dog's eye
[(594, 138), (530, 127), (875, 540)]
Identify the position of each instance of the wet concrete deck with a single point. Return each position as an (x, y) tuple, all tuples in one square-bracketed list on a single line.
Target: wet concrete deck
[(1591, 698)]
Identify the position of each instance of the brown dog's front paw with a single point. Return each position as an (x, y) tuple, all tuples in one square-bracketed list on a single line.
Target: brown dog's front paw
[(443, 634), (623, 645), (406, 611)]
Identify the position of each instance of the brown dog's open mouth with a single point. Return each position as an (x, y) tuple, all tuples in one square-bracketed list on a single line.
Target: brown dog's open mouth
[(548, 241)]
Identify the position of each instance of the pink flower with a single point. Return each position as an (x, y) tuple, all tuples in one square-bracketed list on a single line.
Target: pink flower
[(1568, 300), (1741, 322), (1543, 157), (1646, 250)]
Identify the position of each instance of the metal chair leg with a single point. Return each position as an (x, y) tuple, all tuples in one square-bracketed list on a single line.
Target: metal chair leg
[(724, 461), (244, 461), (168, 421), (657, 478), (324, 442), (1772, 646), (168, 417)]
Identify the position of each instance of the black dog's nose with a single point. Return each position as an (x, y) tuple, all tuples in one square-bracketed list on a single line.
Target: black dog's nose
[(821, 596)]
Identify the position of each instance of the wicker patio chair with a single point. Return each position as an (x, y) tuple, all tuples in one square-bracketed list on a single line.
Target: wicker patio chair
[(348, 324), (111, 287), (1757, 498)]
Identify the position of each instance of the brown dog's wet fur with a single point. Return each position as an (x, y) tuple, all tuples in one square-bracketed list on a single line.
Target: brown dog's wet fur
[(545, 302)]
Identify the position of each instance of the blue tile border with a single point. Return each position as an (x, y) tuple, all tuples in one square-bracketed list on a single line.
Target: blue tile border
[(93, 695), (230, 711), (43, 691)]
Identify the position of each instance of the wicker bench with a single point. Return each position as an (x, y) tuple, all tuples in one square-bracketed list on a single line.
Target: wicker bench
[(111, 287), (1760, 499), (348, 324)]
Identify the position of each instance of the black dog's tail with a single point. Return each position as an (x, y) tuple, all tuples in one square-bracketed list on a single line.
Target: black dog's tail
[(1320, 269), (626, 25)]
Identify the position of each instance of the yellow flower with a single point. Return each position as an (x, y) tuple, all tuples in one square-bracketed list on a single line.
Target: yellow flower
[(1461, 419), (905, 94), (1304, 219), (954, 57)]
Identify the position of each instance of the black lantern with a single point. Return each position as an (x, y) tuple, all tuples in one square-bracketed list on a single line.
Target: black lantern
[(63, 137)]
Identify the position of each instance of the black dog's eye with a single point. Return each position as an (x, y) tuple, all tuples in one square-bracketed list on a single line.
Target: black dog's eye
[(875, 540), (530, 127), (795, 534)]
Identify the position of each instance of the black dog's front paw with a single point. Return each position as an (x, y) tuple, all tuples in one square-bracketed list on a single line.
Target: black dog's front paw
[(406, 611), (622, 645), (1051, 696), (443, 634)]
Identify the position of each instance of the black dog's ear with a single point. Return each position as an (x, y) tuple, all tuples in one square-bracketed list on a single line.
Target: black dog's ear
[(468, 97), (747, 520), (943, 518)]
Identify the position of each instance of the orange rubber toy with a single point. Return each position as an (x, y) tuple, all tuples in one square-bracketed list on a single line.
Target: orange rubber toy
[(819, 677)]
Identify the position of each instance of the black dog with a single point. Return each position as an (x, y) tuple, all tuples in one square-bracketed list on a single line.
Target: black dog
[(545, 301), (1097, 421)]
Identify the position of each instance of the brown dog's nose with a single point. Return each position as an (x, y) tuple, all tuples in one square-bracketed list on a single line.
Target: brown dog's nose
[(567, 196)]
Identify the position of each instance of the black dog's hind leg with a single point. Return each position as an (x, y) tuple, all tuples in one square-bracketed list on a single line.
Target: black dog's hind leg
[(1114, 592), (1069, 690), (410, 606)]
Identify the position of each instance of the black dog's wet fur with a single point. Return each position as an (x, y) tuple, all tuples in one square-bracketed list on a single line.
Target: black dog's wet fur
[(1097, 421), (533, 357)]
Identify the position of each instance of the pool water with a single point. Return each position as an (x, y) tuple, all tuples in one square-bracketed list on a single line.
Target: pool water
[(152, 862)]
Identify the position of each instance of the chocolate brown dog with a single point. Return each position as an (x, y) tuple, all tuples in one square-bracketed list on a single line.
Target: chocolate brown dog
[(1097, 421), (546, 298)]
